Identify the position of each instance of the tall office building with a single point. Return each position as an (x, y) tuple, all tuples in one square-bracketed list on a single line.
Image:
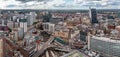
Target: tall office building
[(93, 16), (29, 22), (31, 18), (23, 24), (47, 16)]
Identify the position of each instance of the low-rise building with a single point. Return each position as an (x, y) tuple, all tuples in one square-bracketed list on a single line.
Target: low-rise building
[(75, 53), (28, 51)]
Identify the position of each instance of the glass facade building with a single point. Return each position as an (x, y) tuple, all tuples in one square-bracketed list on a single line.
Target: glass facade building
[(83, 36), (106, 47), (93, 16)]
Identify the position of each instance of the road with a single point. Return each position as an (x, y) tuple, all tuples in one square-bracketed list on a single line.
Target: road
[(9, 42), (44, 47), (31, 27)]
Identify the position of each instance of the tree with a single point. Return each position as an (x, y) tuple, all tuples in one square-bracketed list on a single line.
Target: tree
[(35, 23), (45, 34), (10, 30)]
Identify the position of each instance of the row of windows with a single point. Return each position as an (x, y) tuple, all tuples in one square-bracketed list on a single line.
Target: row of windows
[(105, 47)]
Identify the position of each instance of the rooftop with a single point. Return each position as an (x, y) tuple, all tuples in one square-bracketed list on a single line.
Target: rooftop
[(75, 54), (29, 48), (107, 39)]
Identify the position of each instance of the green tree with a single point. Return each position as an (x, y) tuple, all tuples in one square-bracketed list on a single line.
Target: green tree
[(45, 34), (35, 23), (10, 30)]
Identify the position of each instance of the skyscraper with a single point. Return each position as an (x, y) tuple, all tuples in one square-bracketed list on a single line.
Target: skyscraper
[(47, 16), (93, 15), (23, 24), (20, 33), (31, 18)]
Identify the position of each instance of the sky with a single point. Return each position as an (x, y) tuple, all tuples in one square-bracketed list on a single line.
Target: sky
[(59, 4)]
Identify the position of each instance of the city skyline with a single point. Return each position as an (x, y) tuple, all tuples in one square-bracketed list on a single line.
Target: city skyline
[(59, 4), (29, 32)]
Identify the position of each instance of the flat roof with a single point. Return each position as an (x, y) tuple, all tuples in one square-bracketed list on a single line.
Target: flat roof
[(75, 53), (106, 39)]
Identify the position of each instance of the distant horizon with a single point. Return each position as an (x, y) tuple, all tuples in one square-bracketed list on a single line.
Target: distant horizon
[(59, 4), (60, 9)]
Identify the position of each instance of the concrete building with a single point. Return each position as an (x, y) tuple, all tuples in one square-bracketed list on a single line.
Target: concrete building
[(65, 33), (23, 24), (62, 34), (49, 27), (10, 24), (21, 33), (16, 33), (16, 24), (13, 18), (2, 50), (3, 23), (4, 29), (29, 39), (28, 51), (31, 18), (29, 21)]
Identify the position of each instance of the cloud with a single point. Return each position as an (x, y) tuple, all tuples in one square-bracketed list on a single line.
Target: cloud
[(31, 0), (58, 4)]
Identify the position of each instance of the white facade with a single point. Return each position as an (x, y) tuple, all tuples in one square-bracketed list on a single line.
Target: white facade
[(24, 25), (49, 27), (15, 24), (29, 39), (3, 23), (20, 32), (31, 18), (16, 35), (90, 13), (29, 21), (14, 17), (10, 24)]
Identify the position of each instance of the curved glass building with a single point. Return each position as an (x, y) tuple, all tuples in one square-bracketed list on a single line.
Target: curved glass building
[(105, 45)]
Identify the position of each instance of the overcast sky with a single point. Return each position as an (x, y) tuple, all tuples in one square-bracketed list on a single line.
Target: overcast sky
[(59, 4)]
